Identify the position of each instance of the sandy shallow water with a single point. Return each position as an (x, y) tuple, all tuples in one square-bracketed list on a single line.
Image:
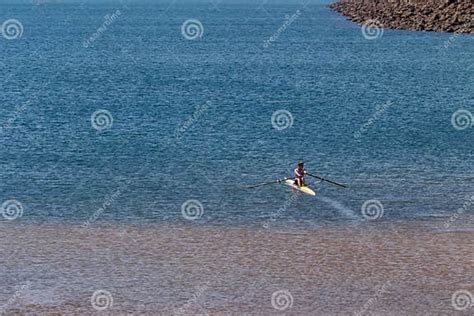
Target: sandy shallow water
[(388, 268)]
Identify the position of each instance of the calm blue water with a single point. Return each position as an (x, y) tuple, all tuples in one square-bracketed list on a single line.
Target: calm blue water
[(151, 79)]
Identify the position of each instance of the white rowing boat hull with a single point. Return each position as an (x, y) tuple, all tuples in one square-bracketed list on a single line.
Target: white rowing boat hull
[(305, 189)]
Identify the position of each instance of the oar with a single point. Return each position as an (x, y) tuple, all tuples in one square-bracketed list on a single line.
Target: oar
[(265, 183), (322, 179)]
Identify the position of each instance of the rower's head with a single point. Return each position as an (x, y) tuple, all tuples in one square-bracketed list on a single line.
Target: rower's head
[(300, 163)]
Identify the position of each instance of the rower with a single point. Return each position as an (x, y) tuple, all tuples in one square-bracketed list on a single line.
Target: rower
[(299, 174)]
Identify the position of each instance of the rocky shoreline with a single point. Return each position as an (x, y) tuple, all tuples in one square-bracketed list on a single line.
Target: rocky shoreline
[(418, 15)]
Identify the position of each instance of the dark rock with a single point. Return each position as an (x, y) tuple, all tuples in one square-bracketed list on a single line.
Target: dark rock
[(421, 15)]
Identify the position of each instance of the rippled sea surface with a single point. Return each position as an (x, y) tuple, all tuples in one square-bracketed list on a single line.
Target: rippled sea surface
[(129, 130)]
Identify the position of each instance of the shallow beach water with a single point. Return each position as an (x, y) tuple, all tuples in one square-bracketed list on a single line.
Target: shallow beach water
[(389, 268)]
